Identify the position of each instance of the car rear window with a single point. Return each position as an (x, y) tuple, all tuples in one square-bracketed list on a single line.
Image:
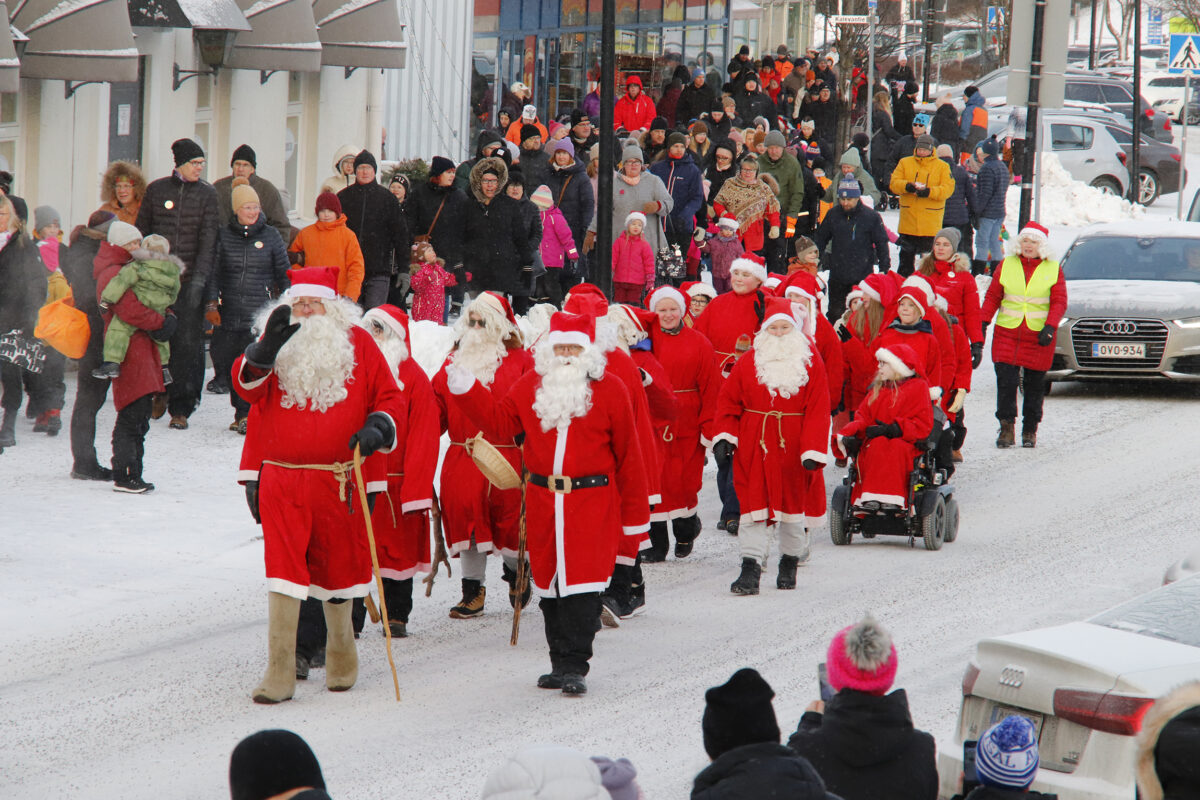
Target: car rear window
[(1168, 613), (1156, 258), (1071, 137)]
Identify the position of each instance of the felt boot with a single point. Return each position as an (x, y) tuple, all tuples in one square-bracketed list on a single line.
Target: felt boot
[(279, 683), (341, 654)]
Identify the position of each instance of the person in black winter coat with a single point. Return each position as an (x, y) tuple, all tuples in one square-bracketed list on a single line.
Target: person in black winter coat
[(902, 109), (859, 243), (534, 161), (718, 122), (572, 191), (183, 208), (944, 126), (495, 242), (531, 221), (862, 742), (1167, 746), (960, 206), (22, 293), (824, 113), (373, 213), (722, 168), (439, 198), (906, 145), (488, 143), (741, 737), (753, 103), (695, 99), (251, 270)]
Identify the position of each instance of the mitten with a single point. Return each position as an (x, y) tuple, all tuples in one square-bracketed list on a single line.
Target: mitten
[(976, 354), (723, 452), (811, 465), (252, 500), (923, 191), (650, 207), (1046, 336), (374, 435), (774, 232), (852, 445), (167, 329), (279, 329), (212, 314)]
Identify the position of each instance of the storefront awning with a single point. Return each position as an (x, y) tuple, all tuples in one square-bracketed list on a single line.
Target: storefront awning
[(10, 68), (199, 14), (88, 40), (360, 33), (282, 35)]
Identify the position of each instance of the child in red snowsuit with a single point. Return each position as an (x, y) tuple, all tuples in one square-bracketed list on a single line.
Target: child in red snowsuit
[(429, 284)]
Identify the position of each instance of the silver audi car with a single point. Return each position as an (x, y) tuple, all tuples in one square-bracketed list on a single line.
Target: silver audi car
[(1133, 304)]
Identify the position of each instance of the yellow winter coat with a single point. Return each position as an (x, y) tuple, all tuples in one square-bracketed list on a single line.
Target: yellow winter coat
[(922, 216)]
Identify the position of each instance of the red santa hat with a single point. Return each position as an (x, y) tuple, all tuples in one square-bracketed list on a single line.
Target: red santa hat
[(313, 282), (880, 288), (806, 281), (666, 293), (586, 298), (567, 328), (640, 319), (391, 317), (796, 294), (497, 303), (751, 265), (901, 358), (699, 288), (777, 309), (1035, 230), (773, 282)]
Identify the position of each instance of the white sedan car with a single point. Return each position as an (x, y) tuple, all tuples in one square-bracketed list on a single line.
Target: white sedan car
[(1085, 686)]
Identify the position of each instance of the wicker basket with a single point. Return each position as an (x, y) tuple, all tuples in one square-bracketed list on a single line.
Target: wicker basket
[(493, 464)]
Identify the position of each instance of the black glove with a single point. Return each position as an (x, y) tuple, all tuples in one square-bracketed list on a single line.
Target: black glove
[(910, 187), (891, 431), (1046, 336), (923, 192), (723, 452), (252, 500), (376, 433), (280, 328), (167, 329), (976, 354), (844, 334), (811, 465), (371, 502), (852, 445)]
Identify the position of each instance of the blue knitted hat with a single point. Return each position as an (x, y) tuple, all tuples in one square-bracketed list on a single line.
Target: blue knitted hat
[(1007, 754)]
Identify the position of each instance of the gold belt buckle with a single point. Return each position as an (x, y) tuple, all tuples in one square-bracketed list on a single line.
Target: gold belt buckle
[(560, 483)]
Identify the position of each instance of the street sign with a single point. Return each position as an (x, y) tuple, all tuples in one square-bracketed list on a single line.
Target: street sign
[(872, 5), (995, 17), (1154, 26), (848, 19), (1184, 53)]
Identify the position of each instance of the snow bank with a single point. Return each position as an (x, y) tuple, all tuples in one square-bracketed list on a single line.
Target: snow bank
[(1066, 201)]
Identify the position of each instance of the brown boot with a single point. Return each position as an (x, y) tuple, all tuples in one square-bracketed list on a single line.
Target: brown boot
[(473, 597), (957, 456), (1008, 433), (279, 683), (341, 654), (1028, 436)]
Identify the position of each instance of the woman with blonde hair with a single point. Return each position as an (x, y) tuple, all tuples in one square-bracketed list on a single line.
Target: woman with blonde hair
[(122, 189), (22, 292)]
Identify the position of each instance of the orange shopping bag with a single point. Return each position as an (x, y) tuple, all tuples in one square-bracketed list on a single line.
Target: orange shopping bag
[(64, 327)]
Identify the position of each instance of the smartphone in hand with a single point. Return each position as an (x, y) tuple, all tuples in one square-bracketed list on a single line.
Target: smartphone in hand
[(970, 776), (827, 691)]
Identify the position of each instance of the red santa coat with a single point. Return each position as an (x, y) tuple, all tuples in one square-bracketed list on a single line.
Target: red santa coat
[(688, 359), (1019, 346), (315, 541), (859, 367), (830, 348), (573, 537), (774, 435), (940, 371), (471, 506), (884, 464), (401, 518), (728, 317), (622, 366), (953, 281), (922, 340)]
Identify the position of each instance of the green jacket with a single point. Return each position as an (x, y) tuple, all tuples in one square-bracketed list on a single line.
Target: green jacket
[(869, 189), (787, 173), (153, 279)]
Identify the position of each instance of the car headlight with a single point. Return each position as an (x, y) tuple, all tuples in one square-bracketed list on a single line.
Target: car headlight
[(1063, 321), (1189, 322)]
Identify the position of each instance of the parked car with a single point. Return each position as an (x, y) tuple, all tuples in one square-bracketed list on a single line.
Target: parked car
[(963, 56), (1159, 164), (1081, 140), (1133, 304), (1085, 687)]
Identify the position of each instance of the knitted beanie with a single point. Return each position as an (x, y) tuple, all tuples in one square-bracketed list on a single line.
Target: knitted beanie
[(862, 657), (272, 762), (1007, 754), (738, 712)]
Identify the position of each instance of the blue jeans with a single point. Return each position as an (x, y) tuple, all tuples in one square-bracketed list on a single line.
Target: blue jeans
[(729, 501), (987, 242)]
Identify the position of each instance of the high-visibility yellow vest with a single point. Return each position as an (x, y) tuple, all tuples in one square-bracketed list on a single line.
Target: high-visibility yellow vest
[(1026, 302)]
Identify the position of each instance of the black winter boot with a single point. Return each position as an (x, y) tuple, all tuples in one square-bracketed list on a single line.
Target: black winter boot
[(659, 544), (1028, 435), (686, 531), (510, 577), (747, 582), (8, 430), (615, 600), (471, 604), (979, 267), (787, 572)]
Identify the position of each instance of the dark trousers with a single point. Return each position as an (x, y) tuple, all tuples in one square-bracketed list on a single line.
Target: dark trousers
[(570, 629), (910, 247), (187, 358), (959, 428), (774, 251), (11, 377), (966, 243), (398, 596), (1033, 386), (375, 290), (47, 389), (311, 630), (837, 299), (225, 347), (90, 394), (729, 501), (520, 303), (129, 437)]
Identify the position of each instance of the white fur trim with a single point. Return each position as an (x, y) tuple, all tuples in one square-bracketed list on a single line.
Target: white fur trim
[(725, 437), (894, 499), (815, 455), (925, 286), (935, 393), (778, 318), (634, 530), (752, 268), (403, 574), (416, 505), (635, 216), (389, 322), (668, 293), (395, 438), (250, 384), (867, 291), (1167, 708), (1032, 233), (773, 281), (568, 337), (702, 288), (626, 561), (895, 362), (376, 486), (244, 475), (727, 222), (655, 499), (310, 290), (840, 446), (493, 304)]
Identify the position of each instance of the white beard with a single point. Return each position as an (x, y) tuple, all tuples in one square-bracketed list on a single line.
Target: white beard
[(394, 350), (315, 365), (480, 352), (565, 391), (781, 362)]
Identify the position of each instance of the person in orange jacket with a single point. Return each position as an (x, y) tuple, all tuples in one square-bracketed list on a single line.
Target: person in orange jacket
[(635, 111), (329, 243)]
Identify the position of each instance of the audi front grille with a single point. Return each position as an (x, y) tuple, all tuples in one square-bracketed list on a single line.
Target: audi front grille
[(1150, 332)]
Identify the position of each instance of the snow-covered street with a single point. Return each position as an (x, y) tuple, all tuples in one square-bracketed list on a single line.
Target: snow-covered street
[(134, 626)]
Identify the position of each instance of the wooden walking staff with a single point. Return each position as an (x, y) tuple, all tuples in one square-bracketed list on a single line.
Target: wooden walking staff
[(522, 565), (366, 510), (439, 556)]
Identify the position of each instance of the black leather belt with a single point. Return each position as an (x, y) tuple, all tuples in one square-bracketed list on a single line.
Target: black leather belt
[(564, 484)]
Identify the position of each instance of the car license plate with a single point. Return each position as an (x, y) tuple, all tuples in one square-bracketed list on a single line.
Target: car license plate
[(1123, 350), (1000, 712)]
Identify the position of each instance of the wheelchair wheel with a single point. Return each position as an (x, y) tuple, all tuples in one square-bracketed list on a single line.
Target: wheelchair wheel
[(951, 520), (934, 525), (837, 527)]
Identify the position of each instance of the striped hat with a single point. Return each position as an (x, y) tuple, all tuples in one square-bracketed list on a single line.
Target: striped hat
[(1007, 754)]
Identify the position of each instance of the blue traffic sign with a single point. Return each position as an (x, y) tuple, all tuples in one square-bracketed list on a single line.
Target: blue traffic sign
[(1184, 53)]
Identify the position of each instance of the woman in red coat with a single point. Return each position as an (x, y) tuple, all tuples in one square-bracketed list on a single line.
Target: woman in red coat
[(883, 436), (773, 425), (949, 273), (911, 327), (1028, 296), (688, 359), (864, 319)]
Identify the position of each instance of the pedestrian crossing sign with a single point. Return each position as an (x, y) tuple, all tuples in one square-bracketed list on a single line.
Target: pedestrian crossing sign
[(1184, 53)]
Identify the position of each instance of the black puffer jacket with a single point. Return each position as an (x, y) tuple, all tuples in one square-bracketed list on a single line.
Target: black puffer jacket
[(186, 213), (535, 169), (252, 267), (22, 285), (77, 269), (944, 128), (572, 192), (422, 208), (865, 747), (373, 213), (495, 243), (760, 771), (692, 103), (992, 793), (755, 104)]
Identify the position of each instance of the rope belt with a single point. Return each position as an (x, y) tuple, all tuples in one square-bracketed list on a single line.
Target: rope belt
[(341, 471), (564, 484), (684, 391), (778, 415)]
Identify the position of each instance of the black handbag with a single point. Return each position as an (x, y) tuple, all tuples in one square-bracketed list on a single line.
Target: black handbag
[(669, 263), (28, 354)]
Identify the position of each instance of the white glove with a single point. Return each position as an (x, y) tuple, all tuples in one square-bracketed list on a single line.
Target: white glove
[(458, 379), (774, 232), (959, 397)]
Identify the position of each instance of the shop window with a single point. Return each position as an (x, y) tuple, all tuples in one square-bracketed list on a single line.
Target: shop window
[(572, 78), (483, 83), (673, 10), (10, 131), (717, 9), (627, 12), (652, 11), (574, 12)]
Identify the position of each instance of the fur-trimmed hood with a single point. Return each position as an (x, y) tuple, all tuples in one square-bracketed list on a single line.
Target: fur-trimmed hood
[(1180, 773), (770, 181), (142, 254), (487, 165)]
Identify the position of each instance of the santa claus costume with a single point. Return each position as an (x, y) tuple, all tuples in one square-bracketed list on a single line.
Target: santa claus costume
[(864, 319), (941, 374), (586, 481), (911, 325), (773, 423), (699, 295), (691, 369), (477, 518), (895, 415), (802, 290), (320, 388)]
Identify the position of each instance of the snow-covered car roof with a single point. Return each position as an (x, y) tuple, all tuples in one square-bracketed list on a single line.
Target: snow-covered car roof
[(1142, 228)]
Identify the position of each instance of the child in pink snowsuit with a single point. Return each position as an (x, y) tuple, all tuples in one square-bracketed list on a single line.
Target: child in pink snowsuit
[(558, 246), (633, 262), (429, 286), (724, 248)]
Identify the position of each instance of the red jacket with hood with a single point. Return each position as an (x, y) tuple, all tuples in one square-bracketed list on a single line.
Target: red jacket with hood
[(634, 115)]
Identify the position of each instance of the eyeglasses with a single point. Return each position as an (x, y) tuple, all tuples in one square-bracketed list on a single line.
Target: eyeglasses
[(490, 181), (197, 162), (476, 323), (308, 304), (376, 327)]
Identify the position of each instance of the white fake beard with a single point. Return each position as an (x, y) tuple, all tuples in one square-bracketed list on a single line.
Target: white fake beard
[(781, 362), (315, 365), (394, 349), (480, 352), (565, 391)]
